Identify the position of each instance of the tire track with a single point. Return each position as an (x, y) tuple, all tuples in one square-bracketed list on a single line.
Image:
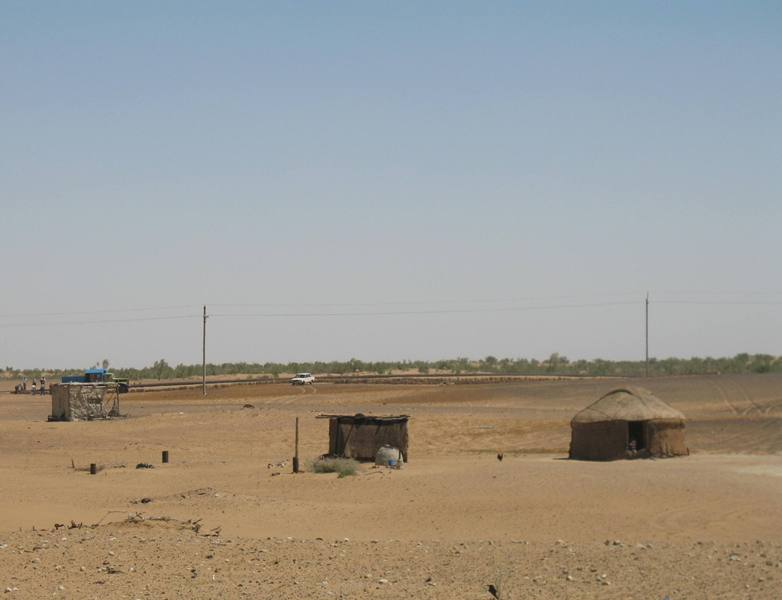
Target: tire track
[(753, 406), (674, 520), (772, 404), (721, 391)]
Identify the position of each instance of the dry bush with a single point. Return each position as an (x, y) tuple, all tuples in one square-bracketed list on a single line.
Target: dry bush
[(343, 466)]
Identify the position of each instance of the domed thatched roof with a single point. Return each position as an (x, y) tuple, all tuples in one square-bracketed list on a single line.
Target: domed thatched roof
[(628, 404)]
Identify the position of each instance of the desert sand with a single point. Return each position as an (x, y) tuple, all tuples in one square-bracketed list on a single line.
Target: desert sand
[(226, 518)]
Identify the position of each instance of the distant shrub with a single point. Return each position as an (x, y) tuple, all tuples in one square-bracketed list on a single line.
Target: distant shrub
[(343, 466)]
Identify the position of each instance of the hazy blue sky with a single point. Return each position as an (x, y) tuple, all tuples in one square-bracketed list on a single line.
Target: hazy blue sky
[(388, 157)]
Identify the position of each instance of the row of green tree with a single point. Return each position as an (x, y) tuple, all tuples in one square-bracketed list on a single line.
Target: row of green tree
[(556, 364)]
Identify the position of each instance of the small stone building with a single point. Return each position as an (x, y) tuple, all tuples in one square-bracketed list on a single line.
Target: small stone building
[(627, 423), (361, 436), (83, 401)]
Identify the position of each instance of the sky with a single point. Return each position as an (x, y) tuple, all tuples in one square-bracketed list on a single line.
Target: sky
[(388, 180)]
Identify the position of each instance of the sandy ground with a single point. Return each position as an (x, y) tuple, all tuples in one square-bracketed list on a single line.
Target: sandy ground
[(449, 524)]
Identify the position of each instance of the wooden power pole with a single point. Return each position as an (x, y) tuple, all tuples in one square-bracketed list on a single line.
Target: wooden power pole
[(647, 335), (203, 356)]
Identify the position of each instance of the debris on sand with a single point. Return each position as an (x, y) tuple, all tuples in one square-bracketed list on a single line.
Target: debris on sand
[(145, 466), (194, 526)]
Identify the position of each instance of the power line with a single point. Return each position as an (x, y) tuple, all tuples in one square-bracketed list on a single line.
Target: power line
[(96, 311), (718, 302), (417, 302), (338, 314), (433, 303), (723, 292), (98, 321), (425, 312)]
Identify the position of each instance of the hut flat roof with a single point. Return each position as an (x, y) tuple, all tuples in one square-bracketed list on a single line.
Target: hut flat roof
[(362, 417)]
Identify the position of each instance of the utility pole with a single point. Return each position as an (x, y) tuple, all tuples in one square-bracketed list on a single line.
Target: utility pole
[(647, 335), (203, 356)]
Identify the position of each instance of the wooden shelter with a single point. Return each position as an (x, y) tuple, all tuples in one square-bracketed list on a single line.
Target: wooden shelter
[(361, 436), (627, 423)]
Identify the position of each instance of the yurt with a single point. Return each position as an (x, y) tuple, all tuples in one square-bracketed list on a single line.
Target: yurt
[(627, 422)]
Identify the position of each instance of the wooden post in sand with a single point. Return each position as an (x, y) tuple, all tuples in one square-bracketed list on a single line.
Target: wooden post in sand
[(296, 449)]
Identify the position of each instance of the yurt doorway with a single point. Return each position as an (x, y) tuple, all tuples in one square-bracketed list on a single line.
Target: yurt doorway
[(636, 435)]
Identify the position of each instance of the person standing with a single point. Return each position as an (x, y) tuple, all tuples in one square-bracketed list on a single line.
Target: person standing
[(33, 387), (43, 385)]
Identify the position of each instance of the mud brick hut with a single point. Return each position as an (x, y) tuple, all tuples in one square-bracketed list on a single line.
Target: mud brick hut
[(83, 402), (360, 436), (627, 423)]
